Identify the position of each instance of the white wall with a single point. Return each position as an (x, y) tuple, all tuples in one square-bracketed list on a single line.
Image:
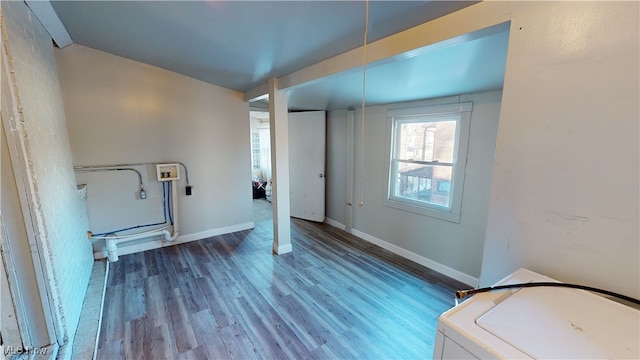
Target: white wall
[(564, 199), (455, 249), (122, 111), (59, 215)]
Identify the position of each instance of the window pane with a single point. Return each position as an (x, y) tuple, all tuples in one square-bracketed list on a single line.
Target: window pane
[(425, 183), (426, 141), (255, 147)]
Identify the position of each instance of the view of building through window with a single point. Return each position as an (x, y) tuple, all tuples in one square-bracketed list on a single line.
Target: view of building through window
[(424, 155)]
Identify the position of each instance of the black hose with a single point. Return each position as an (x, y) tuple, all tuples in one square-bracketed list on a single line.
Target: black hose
[(460, 294)]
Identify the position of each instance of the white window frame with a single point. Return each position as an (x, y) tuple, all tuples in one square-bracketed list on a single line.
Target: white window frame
[(451, 213)]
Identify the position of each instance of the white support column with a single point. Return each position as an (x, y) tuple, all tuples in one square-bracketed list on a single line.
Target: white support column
[(279, 128)]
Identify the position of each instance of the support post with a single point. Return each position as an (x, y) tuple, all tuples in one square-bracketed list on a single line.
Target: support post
[(279, 128)]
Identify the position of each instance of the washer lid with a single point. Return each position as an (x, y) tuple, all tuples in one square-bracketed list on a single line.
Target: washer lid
[(552, 323)]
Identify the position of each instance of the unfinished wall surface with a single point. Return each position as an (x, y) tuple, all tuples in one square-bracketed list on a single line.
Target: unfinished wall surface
[(59, 215), (451, 248), (565, 197), (122, 111)]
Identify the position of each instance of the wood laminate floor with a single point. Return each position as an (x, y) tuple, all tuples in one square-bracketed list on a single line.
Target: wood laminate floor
[(227, 297)]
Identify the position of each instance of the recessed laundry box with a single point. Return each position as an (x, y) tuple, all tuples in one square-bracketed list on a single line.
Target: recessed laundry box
[(538, 323)]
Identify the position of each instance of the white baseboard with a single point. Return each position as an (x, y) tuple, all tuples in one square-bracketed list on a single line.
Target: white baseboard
[(215, 232), (434, 265), (334, 223), (123, 249), (443, 269), (283, 249)]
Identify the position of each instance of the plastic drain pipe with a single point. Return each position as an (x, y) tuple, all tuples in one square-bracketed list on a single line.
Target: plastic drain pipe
[(113, 240)]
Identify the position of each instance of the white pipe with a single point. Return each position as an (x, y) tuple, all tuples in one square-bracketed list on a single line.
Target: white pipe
[(123, 238), (113, 241), (141, 235), (112, 250)]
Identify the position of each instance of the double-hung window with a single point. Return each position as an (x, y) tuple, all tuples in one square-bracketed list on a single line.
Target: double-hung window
[(427, 159)]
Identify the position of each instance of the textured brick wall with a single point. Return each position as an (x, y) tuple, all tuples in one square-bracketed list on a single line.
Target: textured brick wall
[(58, 209)]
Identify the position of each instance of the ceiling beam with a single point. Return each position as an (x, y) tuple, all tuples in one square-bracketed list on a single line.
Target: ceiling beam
[(259, 93), (48, 17), (472, 22)]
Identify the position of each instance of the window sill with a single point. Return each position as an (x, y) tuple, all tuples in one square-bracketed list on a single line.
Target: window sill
[(447, 215)]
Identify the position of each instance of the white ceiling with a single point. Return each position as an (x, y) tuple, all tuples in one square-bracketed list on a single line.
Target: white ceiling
[(241, 44)]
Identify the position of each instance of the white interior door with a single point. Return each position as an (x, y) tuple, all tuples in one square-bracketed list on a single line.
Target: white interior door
[(307, 144)]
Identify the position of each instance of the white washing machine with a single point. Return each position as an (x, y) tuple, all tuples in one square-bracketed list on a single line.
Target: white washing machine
[(538, 323)]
